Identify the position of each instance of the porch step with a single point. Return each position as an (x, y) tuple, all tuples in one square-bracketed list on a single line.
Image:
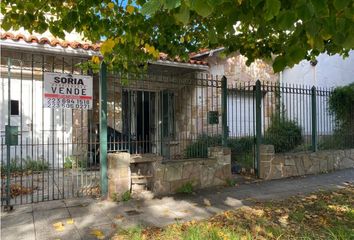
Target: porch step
[(138, 187), (143, 195), (140, 176)]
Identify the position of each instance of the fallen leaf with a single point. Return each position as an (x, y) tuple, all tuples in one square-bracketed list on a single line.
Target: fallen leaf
[(58, 224), (284, 220), (186, 211), (97, 233), (119, 217), (206, 202), (70, 221)]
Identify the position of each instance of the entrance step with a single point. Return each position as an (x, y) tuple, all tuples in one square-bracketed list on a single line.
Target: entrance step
[(143, 195)]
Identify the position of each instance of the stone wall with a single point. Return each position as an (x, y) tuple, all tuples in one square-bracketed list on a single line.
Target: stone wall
[(169, 176), (275, 166)]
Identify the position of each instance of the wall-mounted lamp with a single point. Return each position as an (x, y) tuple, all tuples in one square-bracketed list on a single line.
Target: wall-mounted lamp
[(313, 62)]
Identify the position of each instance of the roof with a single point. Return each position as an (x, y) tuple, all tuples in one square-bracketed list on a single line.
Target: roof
[(205, 52), (53, 42)]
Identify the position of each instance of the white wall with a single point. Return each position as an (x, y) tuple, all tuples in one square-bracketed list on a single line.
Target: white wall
[(39, 128), (330, 71)]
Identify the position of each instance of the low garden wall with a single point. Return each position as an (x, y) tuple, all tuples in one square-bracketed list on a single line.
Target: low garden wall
[(275, 166), (171, 176), (167, 176)]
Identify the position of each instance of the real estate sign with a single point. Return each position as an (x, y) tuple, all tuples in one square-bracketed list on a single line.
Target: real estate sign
[(67, 91)]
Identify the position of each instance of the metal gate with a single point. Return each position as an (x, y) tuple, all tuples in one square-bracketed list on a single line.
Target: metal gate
[(53, 153), (242, 116)]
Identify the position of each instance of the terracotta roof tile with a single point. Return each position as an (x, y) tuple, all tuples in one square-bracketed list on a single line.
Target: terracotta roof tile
[(77, 45), (53, 42), (164, 57)]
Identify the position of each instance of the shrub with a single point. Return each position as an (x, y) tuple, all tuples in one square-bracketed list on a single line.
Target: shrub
[(283, 134), (341, 105), (75, 162), (126, 196), (36, 165), (15, 166), (68, 163), (25, 164), (186, 188), (199, 148)]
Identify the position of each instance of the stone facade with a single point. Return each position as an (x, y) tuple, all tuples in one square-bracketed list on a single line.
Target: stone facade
[(275, 166), (234, 67), (119, 175), (213, 171)]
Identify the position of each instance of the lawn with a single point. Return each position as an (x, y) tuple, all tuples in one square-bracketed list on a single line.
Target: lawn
[(322, 215)]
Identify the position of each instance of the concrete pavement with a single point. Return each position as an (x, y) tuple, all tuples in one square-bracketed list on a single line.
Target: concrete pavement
[(81, 218)]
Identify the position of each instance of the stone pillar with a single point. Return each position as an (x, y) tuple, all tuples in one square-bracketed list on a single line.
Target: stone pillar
[(119, 176), (223, 160), (266, 153)]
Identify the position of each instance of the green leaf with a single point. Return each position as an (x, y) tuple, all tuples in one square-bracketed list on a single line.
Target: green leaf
[(349, 40), (286, 19), (202, 8), (183, 15), (151, 7), (172, 4), (271, 8), (254, 3), (296, 54), (340, 4), (305, 12), (320, 7), (279, 64)]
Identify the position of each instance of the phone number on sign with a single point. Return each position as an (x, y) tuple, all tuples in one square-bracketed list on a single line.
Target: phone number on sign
[(67, 103)]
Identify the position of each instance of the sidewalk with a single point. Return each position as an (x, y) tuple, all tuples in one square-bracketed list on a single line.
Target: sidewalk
[(35, 221)]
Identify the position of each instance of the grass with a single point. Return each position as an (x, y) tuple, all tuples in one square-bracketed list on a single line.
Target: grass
[(322, 215)]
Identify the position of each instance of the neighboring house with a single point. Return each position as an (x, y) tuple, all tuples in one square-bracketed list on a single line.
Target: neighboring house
[(325, 74)]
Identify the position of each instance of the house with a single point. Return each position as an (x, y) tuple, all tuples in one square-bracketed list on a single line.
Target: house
[(162, 112), (162, 104)]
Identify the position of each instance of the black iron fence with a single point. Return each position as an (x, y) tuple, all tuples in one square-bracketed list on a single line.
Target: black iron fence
[(177, 115), (51, 156)]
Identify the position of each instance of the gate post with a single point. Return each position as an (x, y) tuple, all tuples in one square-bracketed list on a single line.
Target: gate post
[(258, 124), (225, 130), (103, 128), (8, 207), (314, 118)]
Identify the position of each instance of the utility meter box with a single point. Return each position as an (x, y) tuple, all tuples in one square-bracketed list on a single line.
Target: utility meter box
[(11, 135), (213, 117)]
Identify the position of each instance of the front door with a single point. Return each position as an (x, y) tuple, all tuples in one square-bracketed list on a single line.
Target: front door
[(168, 128), (139, 120)]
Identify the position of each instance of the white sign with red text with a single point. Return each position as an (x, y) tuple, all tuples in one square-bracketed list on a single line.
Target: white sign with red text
[(67, 91)]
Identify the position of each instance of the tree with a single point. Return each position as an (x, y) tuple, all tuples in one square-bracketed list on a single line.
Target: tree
[(134, 31)]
